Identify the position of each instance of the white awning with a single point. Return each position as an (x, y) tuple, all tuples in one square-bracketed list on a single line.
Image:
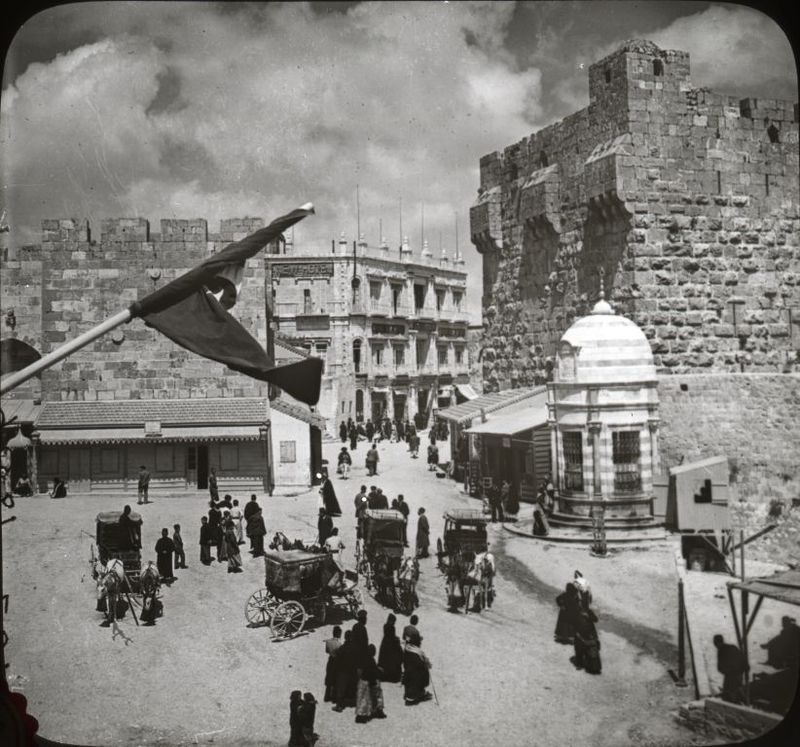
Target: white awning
[(523, 419), (379, 390), (467, 391)]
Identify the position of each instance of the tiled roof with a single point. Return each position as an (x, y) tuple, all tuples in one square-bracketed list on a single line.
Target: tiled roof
[(289, 351), (488, 403), (299, 411), (131, 412)]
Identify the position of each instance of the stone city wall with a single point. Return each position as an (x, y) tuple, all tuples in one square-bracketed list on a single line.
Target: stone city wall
[(81, 282)]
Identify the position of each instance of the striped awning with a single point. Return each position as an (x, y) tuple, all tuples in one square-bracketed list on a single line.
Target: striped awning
[(175, 434)]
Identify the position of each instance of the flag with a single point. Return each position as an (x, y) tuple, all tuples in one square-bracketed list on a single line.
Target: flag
[(192, 311)]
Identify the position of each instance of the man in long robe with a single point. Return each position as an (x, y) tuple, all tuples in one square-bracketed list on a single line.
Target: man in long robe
[(329, 498), (251, 508), (206, 540), (324, 527), (423, 534), (165, 547)]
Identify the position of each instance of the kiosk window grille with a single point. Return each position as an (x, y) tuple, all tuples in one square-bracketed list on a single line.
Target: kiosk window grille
[(573, 461), (626, 454)]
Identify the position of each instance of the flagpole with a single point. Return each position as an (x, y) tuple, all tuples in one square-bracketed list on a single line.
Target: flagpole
[(81, 341)]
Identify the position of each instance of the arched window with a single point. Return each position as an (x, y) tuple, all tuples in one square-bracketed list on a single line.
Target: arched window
[(658, 67), (357, 355)]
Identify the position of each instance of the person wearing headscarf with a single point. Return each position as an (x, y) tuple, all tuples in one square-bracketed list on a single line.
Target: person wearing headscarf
[(232, 545), (329, 501), (324, 527), (369, 696), (587, 643), (585, 593), (390, 657), (569, 605), (332, 646), (416, 676), (346, 676)]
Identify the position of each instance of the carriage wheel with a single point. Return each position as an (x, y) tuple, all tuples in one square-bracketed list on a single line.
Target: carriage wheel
[(288, 619), (259, 608), (355, 601)]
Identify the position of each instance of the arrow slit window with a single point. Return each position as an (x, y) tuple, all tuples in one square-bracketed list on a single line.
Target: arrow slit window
[(627, 461)]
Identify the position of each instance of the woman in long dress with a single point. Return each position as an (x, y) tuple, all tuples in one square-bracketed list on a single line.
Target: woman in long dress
[(416, 677), (329, 498), (369, 696), (390, 657), (569, 605), (232, 546)]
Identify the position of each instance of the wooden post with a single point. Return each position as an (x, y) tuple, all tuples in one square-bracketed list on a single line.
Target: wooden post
[(681, 636)]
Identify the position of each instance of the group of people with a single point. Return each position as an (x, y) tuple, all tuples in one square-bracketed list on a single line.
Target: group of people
[(353, 674), (503, 502), (576, 624), (224, 527), (375, 499)]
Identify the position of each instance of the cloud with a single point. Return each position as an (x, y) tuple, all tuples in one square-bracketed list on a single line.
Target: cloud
[(250, 109)]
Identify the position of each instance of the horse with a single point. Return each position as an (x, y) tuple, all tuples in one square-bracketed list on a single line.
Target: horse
[(481, 575), (383, 578), (110, 585), (150, 582), (407, 577), (455, 571)]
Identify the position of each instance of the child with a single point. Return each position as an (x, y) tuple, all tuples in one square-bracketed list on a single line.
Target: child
[(180, 556), (307, 712), (295, 727)]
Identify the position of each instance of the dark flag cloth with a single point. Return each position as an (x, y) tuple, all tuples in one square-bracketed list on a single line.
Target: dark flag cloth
[(186, 311)]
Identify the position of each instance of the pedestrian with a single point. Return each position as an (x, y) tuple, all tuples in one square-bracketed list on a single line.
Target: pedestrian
[(334, 544), (360, 501), (236, 515), (731, 665), (206, 540), (390, 658), (295, 727), (256, 529), (324, 527), (360, 637), (250, 508), (381, 501), (401, 431), (584, 592), (329, 500), (414, 445), (59, 488), (212, 485), (214, 521), (416, 674), (346, 674), (411, 629), (783, 651), (307, 713), (432, 436), (372, 498), (132, 526), (569, 605), (226, 502), (353, 433), (343, 431), (423, 534), (369, 696), (232, 545), (587, 643), (165, 547), (144, 484), (177, 540), (433, 457), (332, 646), (369, 430), (372, 460), (345, 461), (403, 508), (222, 545)]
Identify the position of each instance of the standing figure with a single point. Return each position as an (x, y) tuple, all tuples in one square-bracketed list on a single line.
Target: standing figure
[(569, 605), (346, 674), (423, 534), (369, 430), (165, 547), (343, 431), (144, 484), (332, 646), (345, 461), (730, 664), (353, 433), (390, 658), (206, 540), (236, 515), (496, 504), (250, 509), (177, 540), (433, 457), (416, 675), (256, 529), (222, 545), (372, 460), (212, 485), (587, 644), (783, 651), (324, 527), (584, 592), (307, 712), (329, 500), (295, 727), (403, 508), (232, 546), (133, 528), (369, 696), (414, 445)]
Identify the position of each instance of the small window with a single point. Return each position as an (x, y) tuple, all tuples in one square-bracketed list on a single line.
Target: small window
[(626, 456), (229, 457), (439, 300), (773, 133), (396, 294), (704, 496), (658, 68), (307, 304), (289, 449), (191, 457), (419, 296), (457, 300), (399, 355), (459, 355), (573, 460), (377, 355), (442, 356), (375, 290)]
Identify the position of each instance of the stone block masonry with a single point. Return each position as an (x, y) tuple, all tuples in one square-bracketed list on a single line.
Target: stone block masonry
[(70, 283), (684, 200)]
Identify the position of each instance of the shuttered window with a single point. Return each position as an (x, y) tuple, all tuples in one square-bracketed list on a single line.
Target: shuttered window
[(627, 459), (573, 460)]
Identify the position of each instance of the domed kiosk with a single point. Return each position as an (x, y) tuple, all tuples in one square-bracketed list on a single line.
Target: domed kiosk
[(603, 418)]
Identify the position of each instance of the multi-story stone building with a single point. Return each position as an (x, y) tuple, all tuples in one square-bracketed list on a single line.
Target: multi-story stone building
[(391, 326), (133, 396), (685, 202)]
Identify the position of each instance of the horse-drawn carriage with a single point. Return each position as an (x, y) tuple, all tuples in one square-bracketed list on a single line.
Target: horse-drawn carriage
[(301, 585), (464, 559), (120, 541)]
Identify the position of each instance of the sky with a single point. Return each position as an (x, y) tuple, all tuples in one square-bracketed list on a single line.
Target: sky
[(222, 110)]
